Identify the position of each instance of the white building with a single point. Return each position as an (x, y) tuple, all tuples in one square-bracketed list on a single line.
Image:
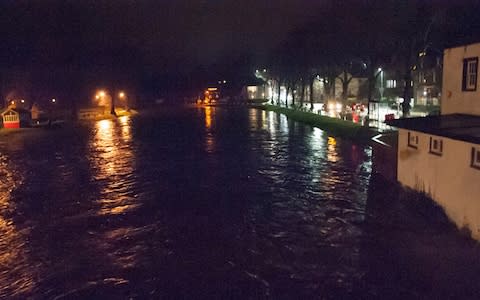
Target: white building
[(440, 155)]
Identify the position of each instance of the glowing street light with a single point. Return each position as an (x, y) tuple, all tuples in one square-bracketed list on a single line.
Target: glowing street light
[(23, 101), (54, 100), (121, 95)]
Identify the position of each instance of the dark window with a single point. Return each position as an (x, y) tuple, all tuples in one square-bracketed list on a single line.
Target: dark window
[(475, 158), (412, 140), (470, 70), (436, 146)]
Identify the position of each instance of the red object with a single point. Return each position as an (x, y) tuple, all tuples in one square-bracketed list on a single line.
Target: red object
[(355, 117), (389, 117), (11, 124)]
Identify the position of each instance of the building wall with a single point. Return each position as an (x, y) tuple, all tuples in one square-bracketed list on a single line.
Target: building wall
[(454, 100), (448, 179), (258, 92), (427, 78)]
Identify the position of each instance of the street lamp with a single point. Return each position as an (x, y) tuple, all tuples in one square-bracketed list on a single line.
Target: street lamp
[(123, 96), (102, 96), (381, 89)]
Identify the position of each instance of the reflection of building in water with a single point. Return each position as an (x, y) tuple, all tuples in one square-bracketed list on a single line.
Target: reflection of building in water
[(113, 164), (257, 119), (14, 255)]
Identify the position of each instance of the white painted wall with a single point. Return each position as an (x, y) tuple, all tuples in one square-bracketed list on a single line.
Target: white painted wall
[(454, 100), (447, 179)]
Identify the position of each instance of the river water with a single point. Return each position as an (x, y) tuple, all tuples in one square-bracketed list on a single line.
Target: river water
[(216, 203)]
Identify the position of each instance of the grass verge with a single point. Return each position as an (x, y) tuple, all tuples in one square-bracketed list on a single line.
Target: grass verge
[(333, 126)]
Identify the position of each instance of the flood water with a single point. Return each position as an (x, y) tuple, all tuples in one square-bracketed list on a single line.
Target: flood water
[(216, 203)]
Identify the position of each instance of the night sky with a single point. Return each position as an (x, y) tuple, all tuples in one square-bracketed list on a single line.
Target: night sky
[(69, 46), (154, 40)]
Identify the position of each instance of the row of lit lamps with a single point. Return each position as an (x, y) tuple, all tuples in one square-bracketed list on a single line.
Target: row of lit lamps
[(102, 94), (23, 101)]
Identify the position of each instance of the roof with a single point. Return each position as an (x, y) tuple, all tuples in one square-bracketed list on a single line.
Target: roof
[(17, 110), (456, 126)]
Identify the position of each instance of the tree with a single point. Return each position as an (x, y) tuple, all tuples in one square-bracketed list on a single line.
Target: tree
[(413, 23)]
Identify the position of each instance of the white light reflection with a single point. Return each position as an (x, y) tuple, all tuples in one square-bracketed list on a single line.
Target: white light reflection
[(317, 142), (264, 120), (272, 121), (283, 122)]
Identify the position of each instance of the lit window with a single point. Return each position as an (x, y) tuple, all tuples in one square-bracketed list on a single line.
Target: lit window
[(470, 68), (412, 140), (391, 83), (475, 158), (436, 146)]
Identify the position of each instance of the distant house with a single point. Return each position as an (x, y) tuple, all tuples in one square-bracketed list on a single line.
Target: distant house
[(91, 113), (427, 78), (440, 155), (254, 92), (15, 118)]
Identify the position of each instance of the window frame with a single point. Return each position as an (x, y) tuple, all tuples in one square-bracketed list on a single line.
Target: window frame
[(412, 145), (432, 150), (391, 83), (474, 158), (470, 75)]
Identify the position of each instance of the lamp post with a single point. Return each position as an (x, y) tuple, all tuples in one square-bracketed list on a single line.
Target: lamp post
[(123, 97), (381, 89), (102, 97)]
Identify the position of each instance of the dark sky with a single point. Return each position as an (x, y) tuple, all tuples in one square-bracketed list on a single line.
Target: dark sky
[(80, 44), (148, 37)]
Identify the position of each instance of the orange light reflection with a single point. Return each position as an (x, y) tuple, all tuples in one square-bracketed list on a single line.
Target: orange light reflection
[(14, 256), (332, 154), (113, 165), (208, 117)]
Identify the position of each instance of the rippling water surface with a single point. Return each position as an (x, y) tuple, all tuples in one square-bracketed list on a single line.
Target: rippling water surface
[(206, 203)]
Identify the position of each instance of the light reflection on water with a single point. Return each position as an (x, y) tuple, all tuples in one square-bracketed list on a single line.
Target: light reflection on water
[(133, 208), (17, 275), (208, 117), (332, 154), (209, 137), (113, 163)]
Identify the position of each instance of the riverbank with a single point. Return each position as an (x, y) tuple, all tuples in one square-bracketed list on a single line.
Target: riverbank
[(9, 131), (5, 132), (333, 126), (108, 116)]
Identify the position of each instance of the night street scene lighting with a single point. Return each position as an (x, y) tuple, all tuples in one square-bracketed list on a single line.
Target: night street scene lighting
[(288, 149)]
